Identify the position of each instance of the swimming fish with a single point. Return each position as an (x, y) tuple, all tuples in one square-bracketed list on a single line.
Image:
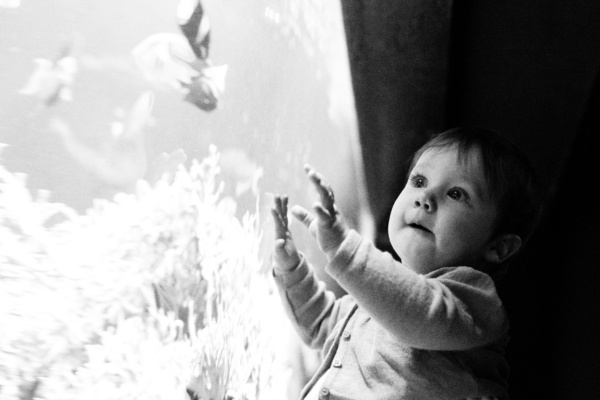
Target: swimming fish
[(205, 90), (182, 62), (195, 26), (120, 160), (166, 58), (51, 81), (10, 3)]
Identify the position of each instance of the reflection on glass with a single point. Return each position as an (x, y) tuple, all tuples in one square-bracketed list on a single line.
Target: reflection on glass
[(96, 97)]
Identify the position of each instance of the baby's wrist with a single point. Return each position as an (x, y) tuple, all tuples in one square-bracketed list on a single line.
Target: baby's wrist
[(279, 269), (332, 250)]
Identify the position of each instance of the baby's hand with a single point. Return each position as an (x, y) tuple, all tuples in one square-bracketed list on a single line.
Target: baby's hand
[(285, 255), (328, 227)]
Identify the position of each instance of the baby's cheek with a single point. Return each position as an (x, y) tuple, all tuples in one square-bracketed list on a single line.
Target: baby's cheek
[(397, 240)]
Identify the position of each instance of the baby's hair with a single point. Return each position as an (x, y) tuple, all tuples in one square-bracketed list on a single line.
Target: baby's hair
[(509, 175)]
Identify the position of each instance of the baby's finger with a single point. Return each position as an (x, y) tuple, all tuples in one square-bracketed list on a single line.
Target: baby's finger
[(276, 218), (323, 189), (277, 202), (302, 215), (322, 213), (280, 244), (281, 207), (315, 177), (284, 209), (281, 227), (276, 214)]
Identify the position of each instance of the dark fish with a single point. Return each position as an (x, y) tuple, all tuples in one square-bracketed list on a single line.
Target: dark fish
[(182, 61), (206, 89), (195, 26)]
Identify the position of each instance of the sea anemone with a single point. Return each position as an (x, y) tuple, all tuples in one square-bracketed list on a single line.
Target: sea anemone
[(150, 295)]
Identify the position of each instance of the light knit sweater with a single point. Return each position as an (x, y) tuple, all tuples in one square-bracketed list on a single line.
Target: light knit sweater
[(398, 334)]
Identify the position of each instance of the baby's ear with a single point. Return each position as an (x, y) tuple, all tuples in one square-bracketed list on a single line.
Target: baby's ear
[(502, 248)]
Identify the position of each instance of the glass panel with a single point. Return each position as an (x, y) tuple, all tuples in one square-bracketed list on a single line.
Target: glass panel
[(96, 95)]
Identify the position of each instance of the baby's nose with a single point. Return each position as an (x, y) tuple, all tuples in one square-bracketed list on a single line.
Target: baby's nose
[(424, 204), (425, 201)]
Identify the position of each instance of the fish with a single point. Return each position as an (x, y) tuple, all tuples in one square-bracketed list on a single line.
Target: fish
[(51, 80), (182, 61), (10, 3), (205, 90), (195, 26), (166, 59)]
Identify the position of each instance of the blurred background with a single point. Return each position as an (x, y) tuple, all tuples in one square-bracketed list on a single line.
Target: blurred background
[(352, 88)]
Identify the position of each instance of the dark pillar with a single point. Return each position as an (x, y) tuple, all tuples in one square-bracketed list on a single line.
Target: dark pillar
[(398, 59)]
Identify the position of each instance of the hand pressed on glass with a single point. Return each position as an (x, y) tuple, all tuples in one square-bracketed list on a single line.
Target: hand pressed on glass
[(285, 256), (326, 225)]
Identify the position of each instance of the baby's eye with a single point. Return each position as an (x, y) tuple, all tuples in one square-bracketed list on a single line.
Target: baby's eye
[(418, 181), (458, 194)]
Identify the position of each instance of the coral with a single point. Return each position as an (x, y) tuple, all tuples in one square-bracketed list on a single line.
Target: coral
[(140, 297)]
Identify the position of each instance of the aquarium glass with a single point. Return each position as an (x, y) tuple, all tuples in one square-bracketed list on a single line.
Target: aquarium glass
[(101, 100)]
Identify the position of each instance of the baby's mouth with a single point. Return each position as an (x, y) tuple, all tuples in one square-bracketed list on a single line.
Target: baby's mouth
[(419, 227)]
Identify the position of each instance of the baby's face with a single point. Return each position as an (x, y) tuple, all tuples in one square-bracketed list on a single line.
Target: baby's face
[(444, 216)]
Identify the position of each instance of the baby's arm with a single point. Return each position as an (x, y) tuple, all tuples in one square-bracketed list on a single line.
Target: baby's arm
[(312, 309), (448, 309)]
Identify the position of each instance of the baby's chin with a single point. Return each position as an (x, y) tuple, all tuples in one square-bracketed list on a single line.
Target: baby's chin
[(420, 265), (407, 258)]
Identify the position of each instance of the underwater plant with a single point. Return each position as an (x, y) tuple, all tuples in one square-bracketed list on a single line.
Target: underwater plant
[(150, 295)]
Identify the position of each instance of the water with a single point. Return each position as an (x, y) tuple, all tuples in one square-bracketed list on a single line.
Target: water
[(287, 101)]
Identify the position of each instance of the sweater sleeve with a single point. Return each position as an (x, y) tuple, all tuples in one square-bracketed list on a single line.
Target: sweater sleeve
[(313, 310), (449, 309)]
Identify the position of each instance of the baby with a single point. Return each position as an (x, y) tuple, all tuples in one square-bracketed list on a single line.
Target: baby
[(431, 326)]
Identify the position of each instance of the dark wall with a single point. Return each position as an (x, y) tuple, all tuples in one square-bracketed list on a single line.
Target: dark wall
[(528, 70), (552, 295)]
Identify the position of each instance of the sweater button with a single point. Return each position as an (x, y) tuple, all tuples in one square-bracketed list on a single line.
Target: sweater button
[(324, 392), (346, 335), (337, 363)]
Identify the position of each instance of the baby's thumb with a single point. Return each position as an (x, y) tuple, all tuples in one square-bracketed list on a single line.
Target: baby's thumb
[(302, 215), (279, 244)]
